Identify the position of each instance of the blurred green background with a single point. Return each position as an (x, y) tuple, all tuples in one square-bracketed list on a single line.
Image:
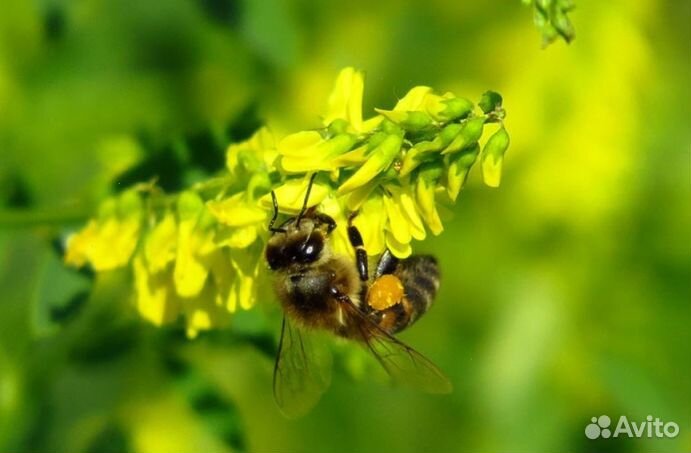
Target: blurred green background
[(566, 292)]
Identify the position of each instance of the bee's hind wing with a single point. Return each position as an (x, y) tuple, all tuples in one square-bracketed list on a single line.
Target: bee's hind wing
[(302, 371), (404, 364)]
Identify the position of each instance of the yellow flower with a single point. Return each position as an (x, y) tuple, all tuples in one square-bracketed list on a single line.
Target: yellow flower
[(201, 257), (345, 101), (308, 151), (108, 242), (194, 244), (371, 220), (161, 243), (237, 211), (258, 153), (333, 207), (155, 295), (203, 313), (425, 189), (291, 194), (379, 160)]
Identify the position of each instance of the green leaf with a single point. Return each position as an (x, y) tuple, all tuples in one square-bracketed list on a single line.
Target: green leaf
[(111, 439), (60, 293), (217, 413)]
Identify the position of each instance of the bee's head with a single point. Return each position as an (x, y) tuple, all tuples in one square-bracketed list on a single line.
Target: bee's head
[(301, 244), (300, 240)]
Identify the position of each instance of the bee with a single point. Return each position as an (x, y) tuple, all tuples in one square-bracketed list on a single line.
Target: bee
[(320, 290)]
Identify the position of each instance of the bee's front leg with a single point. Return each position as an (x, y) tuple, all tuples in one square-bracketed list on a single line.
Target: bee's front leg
[(340, 296), (355, 239)]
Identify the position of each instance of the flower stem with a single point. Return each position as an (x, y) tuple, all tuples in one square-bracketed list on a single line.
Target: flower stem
[(21, 218)]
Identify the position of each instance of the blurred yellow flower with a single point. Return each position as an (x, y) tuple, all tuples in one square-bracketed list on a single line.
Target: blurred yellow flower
[(108, 241), (194, 243), (160, 244), (154, 294)]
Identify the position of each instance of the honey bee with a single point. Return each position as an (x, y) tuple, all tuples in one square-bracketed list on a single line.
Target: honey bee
[(320, 290)]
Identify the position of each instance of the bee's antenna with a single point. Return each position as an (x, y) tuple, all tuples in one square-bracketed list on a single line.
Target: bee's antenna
[(275, 216), (307, 197)]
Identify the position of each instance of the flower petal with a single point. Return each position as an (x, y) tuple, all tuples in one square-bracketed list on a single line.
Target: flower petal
[(398, 249), (237, 211), (345, 101), (300, 143), (397, 224), (238, 238), (190, 270), (291, 195), (155, 298), (379, 160), (371, 220), (159, 248), (405, 198), (414, 99), (425, 198)]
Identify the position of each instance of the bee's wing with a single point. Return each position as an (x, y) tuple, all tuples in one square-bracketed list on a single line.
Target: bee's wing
[(404, 364), (302, 371)]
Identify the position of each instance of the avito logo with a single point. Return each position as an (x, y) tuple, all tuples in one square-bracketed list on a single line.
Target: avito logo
[(601, 427)]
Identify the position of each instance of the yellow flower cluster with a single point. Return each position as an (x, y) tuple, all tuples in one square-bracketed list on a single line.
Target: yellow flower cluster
[(198, 254)]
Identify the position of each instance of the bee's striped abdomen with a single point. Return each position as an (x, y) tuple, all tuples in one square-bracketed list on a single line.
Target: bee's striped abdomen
[(419, 276)]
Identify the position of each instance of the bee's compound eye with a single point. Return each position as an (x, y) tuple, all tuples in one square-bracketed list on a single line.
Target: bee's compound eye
[(274, 257), (311, 250)]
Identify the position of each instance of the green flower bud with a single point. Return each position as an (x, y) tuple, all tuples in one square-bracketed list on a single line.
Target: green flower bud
[(417, 122), (459, 165), (448, 134), (421, 151), (337, 145), (250, 162), (492, 157), (189, 205), (338, 126), (490, 101), (470, 133), (425, 188), (391, 128), (412, 121), (376, 139), (380, 158), (456, 108), (563, 25)]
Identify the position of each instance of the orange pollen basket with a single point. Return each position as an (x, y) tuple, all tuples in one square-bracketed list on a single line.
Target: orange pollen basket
[(385, 292)]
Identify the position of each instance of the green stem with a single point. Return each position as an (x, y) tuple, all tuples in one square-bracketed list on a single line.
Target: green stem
[(22, 218)]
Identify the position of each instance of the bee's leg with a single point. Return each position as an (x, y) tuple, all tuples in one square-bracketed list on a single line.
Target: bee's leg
[(301, 214), (275, 216), (360, 253), (386, 265), (326, 219)]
